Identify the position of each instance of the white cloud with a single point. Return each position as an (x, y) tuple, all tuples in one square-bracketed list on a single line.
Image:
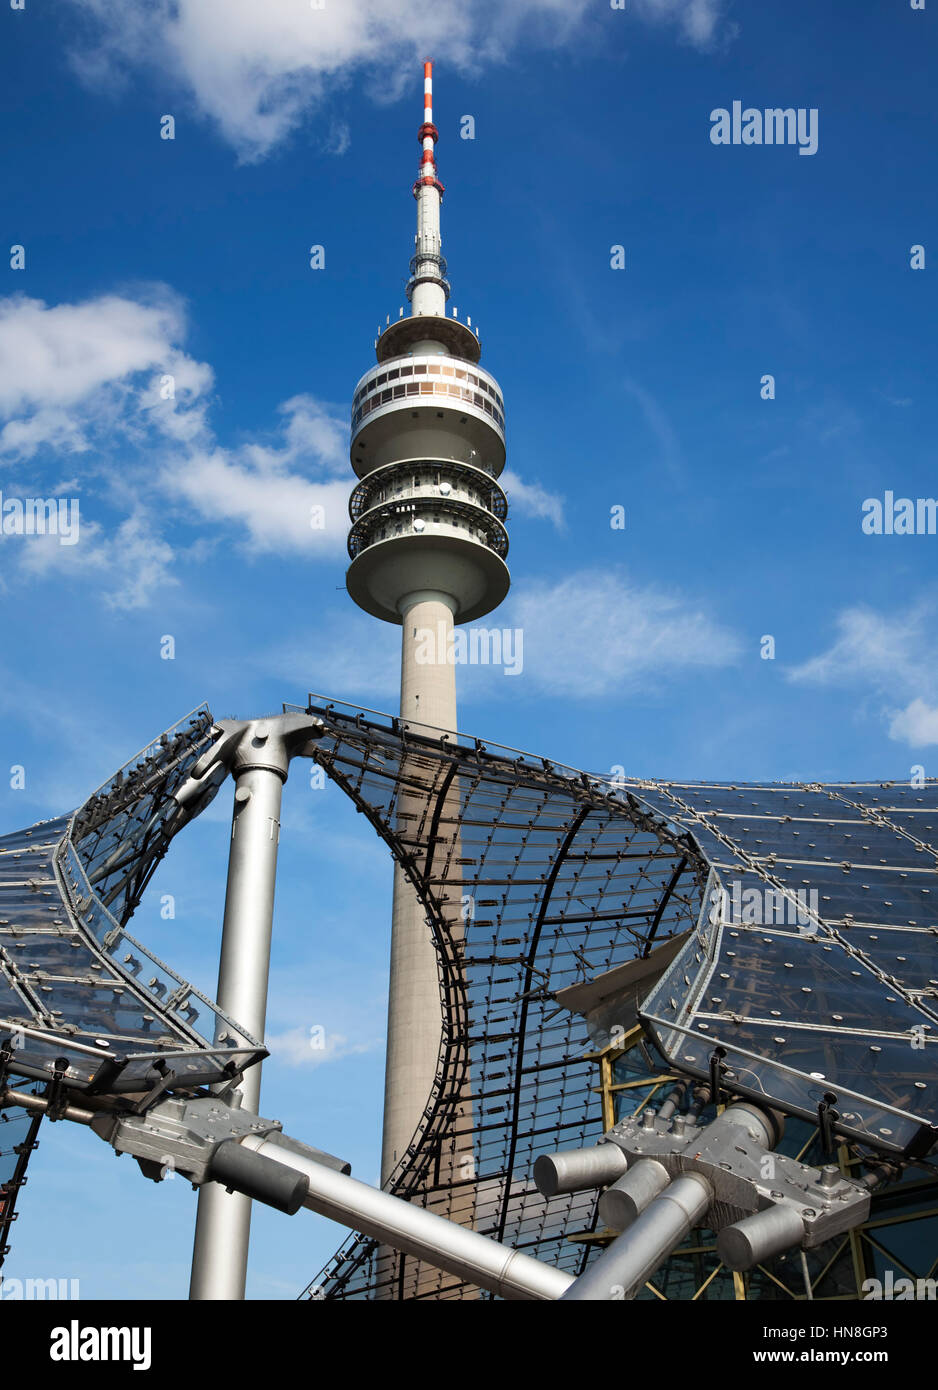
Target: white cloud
[(596, 634), (56, 356), (256, 69), (132, 563), (303, 1047), (260, 488), (916, 725), (49, 428), (279, 510), (108, 382), (533, 500), (699, 22), (893, 655), (69, 370)]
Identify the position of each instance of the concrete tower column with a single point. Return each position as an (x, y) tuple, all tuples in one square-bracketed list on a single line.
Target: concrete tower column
[(428, 686), (428, 696)]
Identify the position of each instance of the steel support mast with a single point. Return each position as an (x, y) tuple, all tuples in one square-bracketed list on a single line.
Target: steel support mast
[(258, 753)]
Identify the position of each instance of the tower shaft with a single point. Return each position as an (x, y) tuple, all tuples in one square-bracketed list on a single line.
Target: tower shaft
[(428, 696)]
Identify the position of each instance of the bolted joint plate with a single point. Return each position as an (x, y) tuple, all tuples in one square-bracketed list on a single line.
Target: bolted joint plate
[(180, 1135), (745, 1176)]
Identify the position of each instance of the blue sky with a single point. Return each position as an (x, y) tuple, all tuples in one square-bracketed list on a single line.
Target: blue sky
[(638, 388)]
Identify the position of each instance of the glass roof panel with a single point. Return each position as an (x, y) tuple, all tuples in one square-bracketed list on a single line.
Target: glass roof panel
[(885, 795), (763, 976), (859, 841), (866, 894)]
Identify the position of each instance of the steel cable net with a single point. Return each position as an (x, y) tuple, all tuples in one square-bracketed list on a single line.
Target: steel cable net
[(810, 976), (533, 876)]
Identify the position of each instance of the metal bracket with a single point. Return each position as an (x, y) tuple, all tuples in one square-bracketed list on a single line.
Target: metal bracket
[(922, 1142), (746, 1177), (55, 1097), (245, 743), (827, 1117), (165, 1078), (717, 1069), (6, 1058), (181, 1134)]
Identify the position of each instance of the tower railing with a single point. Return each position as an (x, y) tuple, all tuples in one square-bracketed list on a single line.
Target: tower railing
[(385, 485), (486, 529)]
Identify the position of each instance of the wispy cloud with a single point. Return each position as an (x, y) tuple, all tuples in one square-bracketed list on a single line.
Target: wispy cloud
[(916, 725), (891, 654), (133, 560), (533, 500), (351, 657), (659, 427), (311, 1047), (108, 383), (701, 23), (256, 70), (595, 633)]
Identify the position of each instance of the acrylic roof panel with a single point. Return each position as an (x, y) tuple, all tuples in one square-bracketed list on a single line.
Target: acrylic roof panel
[(73, 983), (862, 939), (570, 875)]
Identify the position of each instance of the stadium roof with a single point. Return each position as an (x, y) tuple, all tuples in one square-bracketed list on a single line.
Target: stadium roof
[(809, 977)]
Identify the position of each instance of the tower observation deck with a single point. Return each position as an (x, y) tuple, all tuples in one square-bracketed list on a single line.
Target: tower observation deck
[(427, 546), (428, 443)]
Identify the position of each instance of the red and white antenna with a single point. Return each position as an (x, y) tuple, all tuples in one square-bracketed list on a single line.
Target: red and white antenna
[(428, 288), (428, 136)]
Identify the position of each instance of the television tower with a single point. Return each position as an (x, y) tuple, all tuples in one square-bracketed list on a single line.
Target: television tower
[(427, 547)]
